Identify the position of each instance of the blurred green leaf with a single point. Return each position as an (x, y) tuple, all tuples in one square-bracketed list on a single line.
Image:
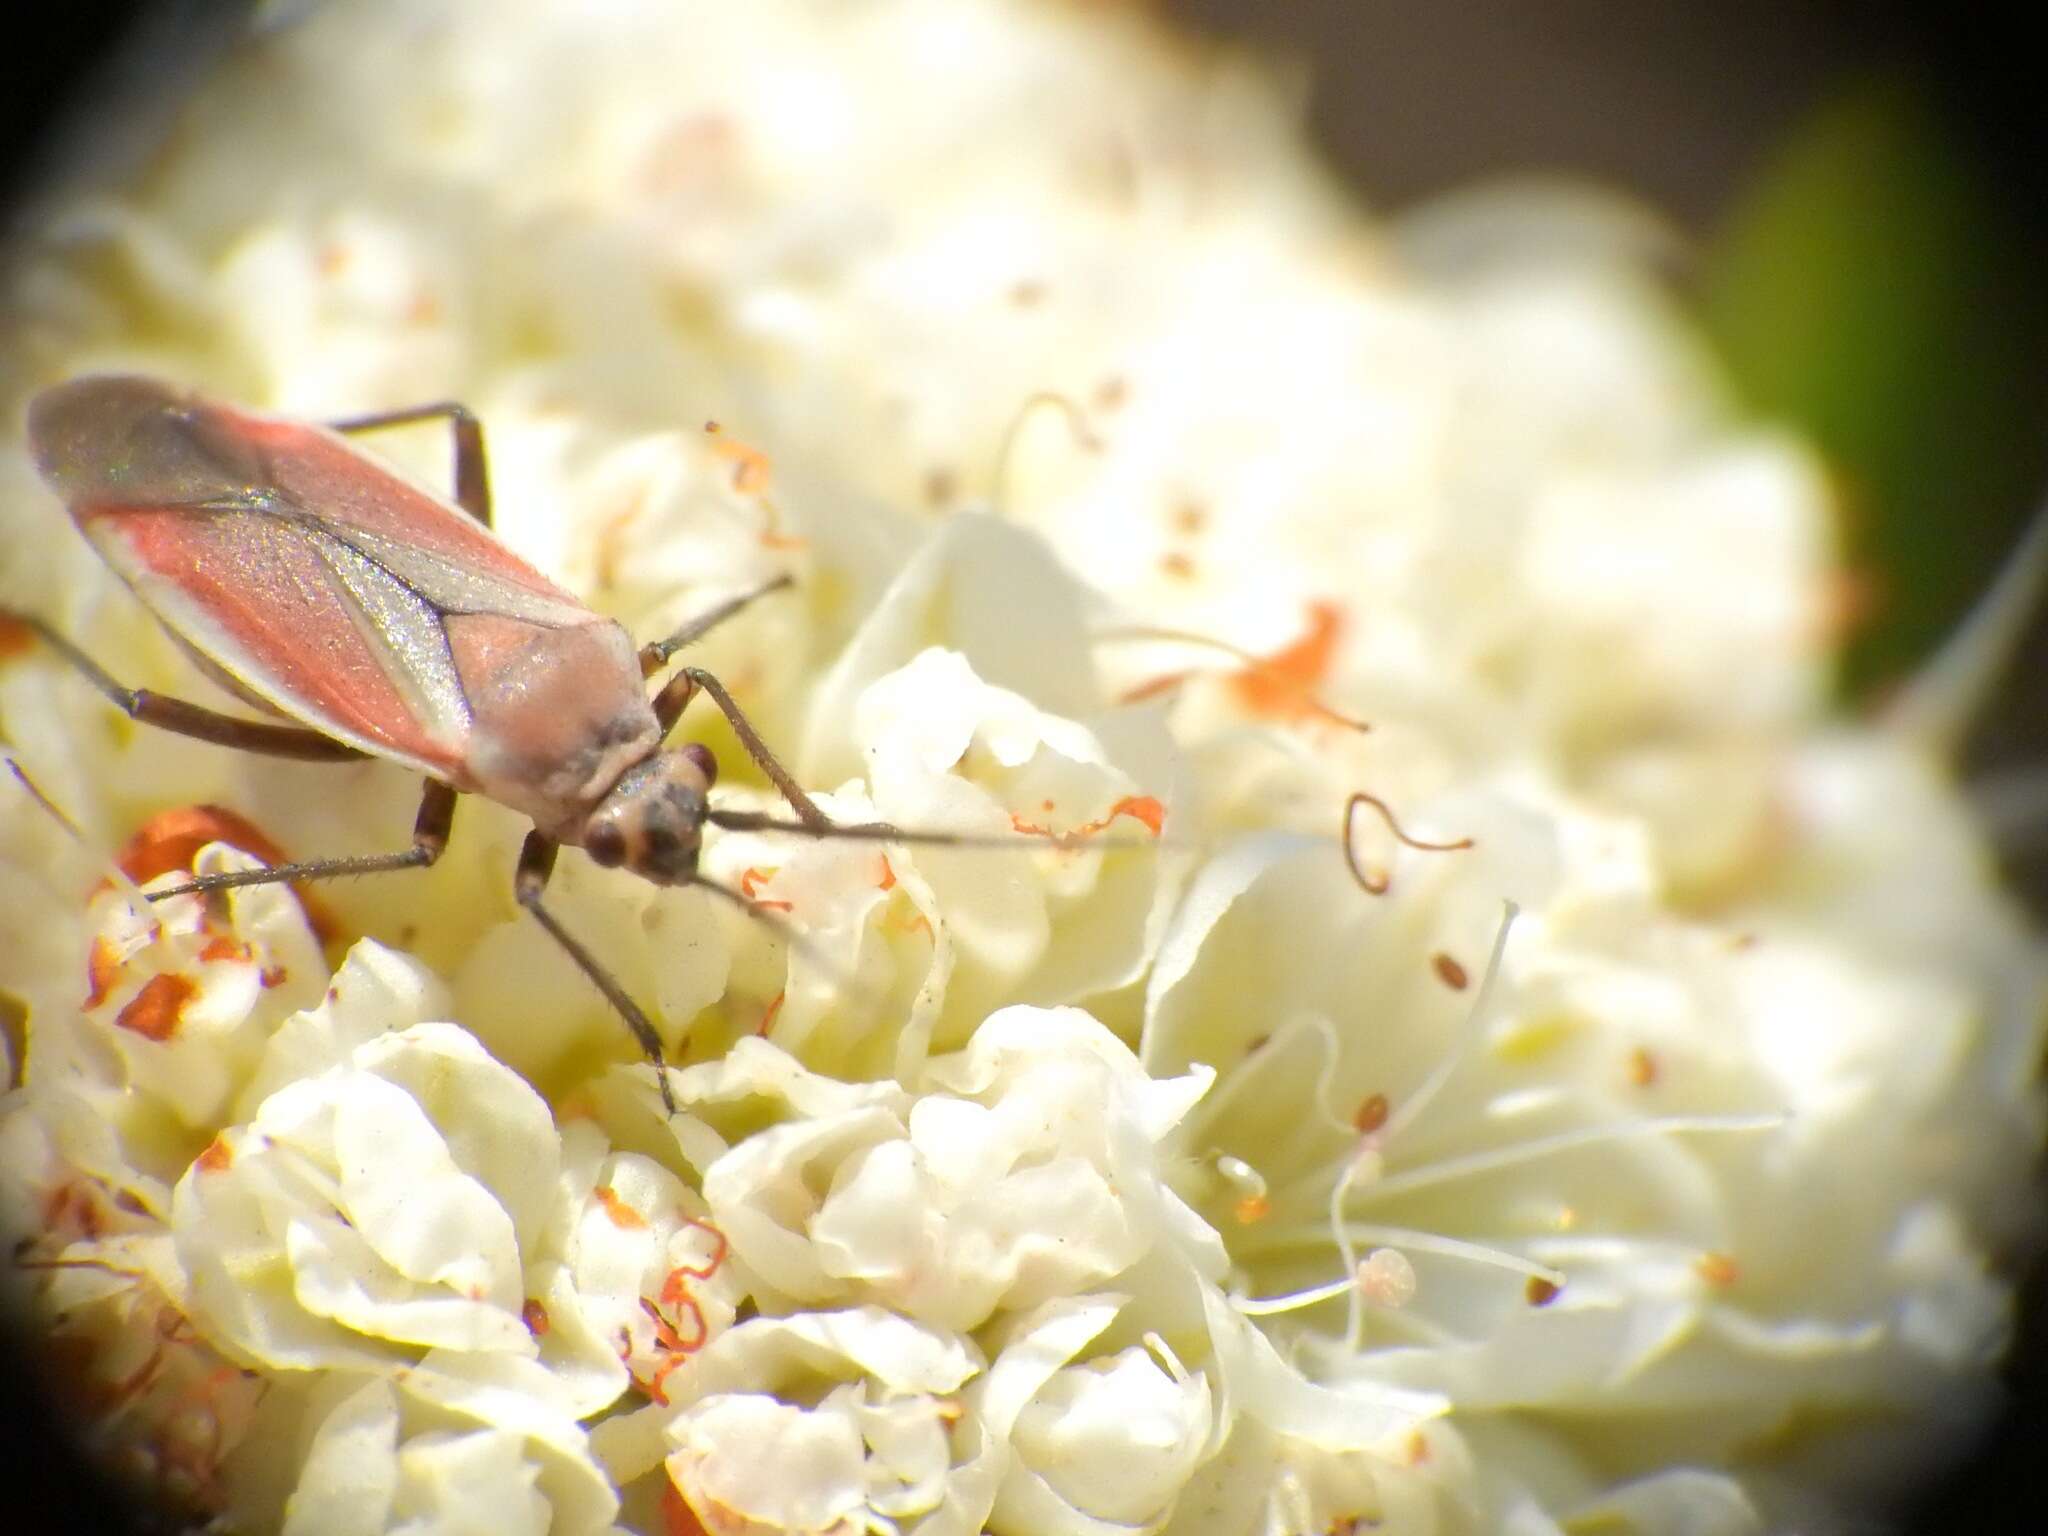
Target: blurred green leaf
[(1871, 290)]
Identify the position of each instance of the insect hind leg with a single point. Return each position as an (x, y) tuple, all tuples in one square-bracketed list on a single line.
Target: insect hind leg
[(188, 719), (429, 839), (472, 467)]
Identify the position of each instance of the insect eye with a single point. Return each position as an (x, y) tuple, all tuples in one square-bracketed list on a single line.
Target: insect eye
[(700, 756), (605, 845)]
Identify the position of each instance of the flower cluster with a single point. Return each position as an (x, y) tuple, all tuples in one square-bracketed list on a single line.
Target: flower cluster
[(1427, 1024)]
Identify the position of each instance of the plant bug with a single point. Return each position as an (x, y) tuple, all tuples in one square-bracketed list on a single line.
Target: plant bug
[(374, 619)]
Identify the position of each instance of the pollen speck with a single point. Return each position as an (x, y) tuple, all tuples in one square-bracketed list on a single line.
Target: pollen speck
[(1717, 1269), (102, 965), (622, 1214), (222, 947), (156, 1011), (1449, 971)]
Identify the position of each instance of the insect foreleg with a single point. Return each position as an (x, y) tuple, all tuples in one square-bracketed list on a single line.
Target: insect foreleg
[(472, 471), (187, 719), (680, 689), (429, 838), (536, 863), (654, 655)]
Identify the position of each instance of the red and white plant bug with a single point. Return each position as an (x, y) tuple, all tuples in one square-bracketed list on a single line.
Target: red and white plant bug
[(382, 621)]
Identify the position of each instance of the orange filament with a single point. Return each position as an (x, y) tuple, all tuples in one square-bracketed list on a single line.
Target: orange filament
[(622, 1214), (1141, 808)]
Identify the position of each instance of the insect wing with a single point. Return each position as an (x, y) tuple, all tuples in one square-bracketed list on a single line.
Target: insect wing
[(315, 578)]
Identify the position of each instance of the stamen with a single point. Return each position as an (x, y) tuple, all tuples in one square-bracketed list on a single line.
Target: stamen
[(1947, 695), (1456, 1248), (1263, 667), (1562, 1141), (1373, 878), (1166, 1356), (1044, 399), (1250, 1185), (1385, 1278), (1468, 1032), (1295, 1301), (1214, 1106)]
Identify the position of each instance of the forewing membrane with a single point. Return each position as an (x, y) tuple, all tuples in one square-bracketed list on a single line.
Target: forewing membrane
[(337, 627)]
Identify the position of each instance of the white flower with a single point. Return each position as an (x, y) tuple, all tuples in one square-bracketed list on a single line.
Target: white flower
[(1166, 1166), (1113, 1439), (377, 1205), (451, 1445)]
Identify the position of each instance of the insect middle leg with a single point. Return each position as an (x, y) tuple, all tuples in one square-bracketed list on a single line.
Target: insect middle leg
[(429, 839), (472, 468)]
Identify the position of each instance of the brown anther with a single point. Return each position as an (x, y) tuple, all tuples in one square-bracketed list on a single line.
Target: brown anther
[(1717, 1269), (1642, 1067), (1449, 972), (1371, 1114)]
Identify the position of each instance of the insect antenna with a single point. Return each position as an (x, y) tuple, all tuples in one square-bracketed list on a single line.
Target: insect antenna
[(887, 832)]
